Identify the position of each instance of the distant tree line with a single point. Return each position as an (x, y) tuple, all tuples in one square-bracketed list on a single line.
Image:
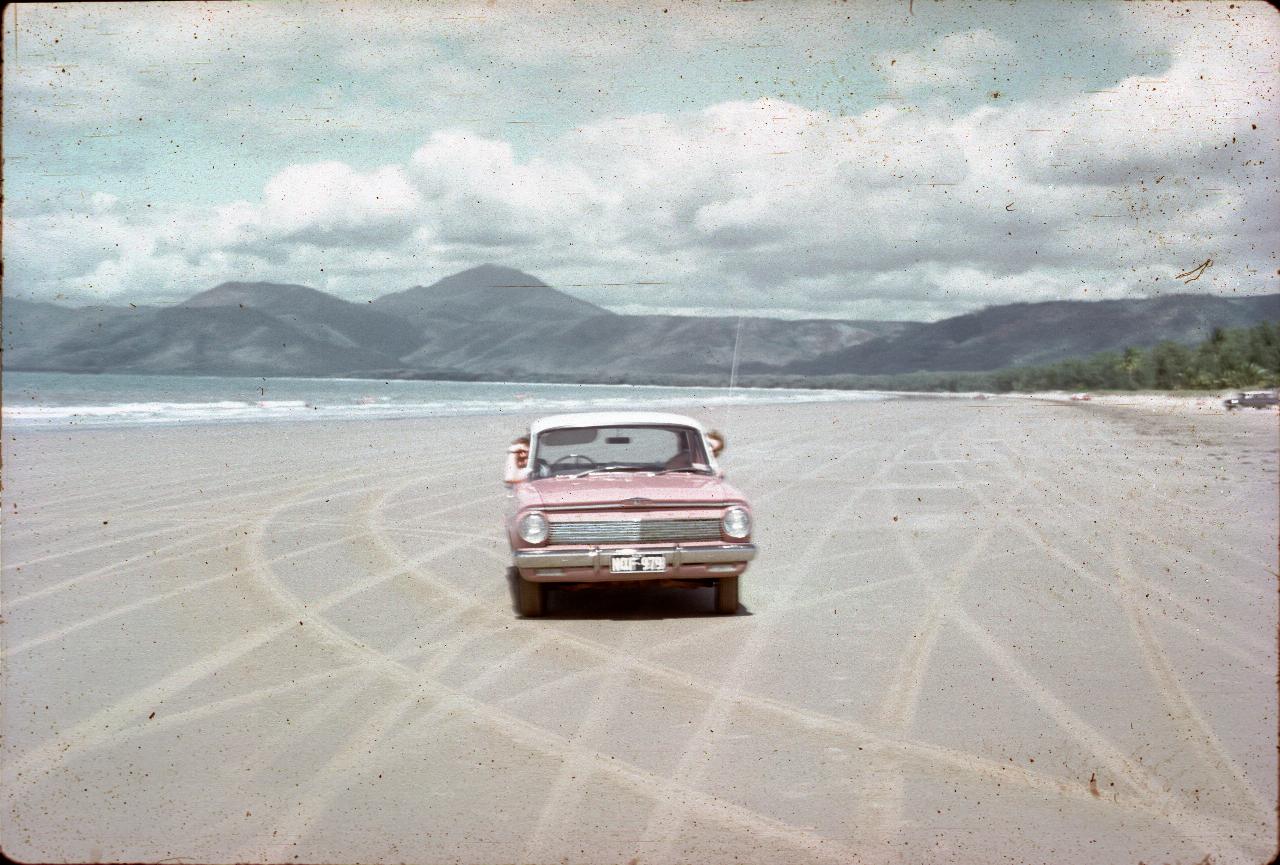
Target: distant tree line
[(1230, 358), (1235, 358)]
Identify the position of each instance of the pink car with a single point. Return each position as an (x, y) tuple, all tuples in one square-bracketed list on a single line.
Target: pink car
[(622, 496)]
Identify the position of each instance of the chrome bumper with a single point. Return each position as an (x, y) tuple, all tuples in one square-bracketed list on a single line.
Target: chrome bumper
[(598, 557)]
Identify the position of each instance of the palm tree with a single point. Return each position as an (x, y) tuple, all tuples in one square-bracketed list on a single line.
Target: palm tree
[(1129, 362)]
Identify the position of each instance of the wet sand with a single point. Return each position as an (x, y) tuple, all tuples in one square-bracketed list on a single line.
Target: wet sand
[(978, 631)]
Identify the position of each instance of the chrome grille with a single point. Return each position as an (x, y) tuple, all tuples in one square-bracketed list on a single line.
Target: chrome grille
[(634, 531)]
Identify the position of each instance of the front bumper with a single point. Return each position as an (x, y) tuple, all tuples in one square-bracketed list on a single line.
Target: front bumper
[(689, 561)]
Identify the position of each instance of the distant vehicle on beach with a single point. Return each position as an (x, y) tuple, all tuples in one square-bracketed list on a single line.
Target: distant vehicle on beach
[(1252, 399), (1081, 397), (609, 497)]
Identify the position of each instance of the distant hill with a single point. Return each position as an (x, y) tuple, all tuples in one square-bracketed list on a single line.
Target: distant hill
[(40, 320), (1024, 334), (33, 329), (485, 293), (638, 344), (498, 322), (495, 320), (320, 316), (219, 340)]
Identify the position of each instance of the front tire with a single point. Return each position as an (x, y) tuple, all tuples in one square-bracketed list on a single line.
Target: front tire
[(531, 597), (727, 595)]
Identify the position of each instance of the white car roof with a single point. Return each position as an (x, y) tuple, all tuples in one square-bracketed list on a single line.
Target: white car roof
[(611, 418)]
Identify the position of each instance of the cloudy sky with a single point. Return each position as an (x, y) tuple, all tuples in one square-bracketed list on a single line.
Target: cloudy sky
[(800, 159)]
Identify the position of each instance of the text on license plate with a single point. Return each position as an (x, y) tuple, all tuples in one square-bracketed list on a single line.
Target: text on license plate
[(638, 564)]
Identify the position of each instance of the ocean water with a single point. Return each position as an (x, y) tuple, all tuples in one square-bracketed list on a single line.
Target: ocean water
[(67, 400)]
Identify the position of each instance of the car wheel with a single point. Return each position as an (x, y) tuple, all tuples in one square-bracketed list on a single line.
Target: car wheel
[(727, 595), (531, 597)]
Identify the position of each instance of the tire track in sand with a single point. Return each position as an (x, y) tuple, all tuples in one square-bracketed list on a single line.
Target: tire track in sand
[(103, 725), (1183, 710), (569, 786), (364, 748), (1192, 726), (882, 793), (1190, 825), (666, 822), (923, 755), (553, 744)]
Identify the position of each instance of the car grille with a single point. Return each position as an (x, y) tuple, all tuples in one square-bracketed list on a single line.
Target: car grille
[(634, 531)]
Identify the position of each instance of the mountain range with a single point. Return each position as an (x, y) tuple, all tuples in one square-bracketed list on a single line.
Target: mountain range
[(500, 323)]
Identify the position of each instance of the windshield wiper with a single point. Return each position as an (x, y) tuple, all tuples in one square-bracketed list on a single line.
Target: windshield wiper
[(592, 471), (696, 469)]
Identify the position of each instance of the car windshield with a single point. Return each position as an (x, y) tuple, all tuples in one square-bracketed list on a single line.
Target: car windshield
[(588, 450)]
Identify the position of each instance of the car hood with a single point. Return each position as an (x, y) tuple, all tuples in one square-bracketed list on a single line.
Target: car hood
[(627, 491)]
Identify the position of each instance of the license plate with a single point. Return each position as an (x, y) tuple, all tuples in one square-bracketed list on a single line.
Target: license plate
[(638, 564)]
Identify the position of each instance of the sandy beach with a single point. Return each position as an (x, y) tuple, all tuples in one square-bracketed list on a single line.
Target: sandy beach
[(993, 630)]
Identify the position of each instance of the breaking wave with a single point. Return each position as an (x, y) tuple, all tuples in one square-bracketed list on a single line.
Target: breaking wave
[(68, 400)]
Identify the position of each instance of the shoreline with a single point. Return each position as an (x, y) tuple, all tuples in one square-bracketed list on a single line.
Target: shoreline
[(675, 380), (65, 401), (1162, 402), (99, 417)]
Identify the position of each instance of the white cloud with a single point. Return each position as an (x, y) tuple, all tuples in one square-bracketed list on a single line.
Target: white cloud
[(969, 59), (103, 201), (901, 209), (330, 203)]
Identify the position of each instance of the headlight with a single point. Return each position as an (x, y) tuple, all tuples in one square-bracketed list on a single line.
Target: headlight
[(533, 528), (736, 522)]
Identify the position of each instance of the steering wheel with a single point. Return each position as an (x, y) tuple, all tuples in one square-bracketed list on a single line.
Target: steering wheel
[(574, 459)]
